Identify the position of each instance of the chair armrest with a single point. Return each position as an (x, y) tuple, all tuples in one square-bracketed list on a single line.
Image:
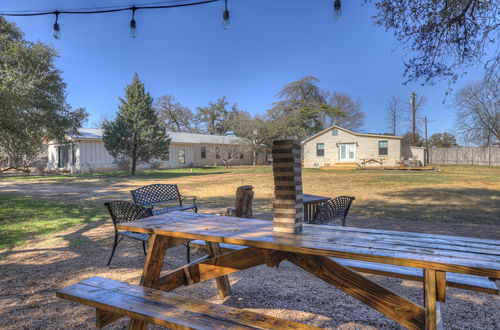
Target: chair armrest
[(192, 197)]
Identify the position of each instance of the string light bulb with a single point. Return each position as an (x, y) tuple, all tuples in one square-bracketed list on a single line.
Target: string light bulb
[(133, 26), (225, 17), (337, 10), (57, 29)]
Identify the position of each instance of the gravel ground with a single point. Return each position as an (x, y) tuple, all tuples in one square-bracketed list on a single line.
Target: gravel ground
[(30, 275)]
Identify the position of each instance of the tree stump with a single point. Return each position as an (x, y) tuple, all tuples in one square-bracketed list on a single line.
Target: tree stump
[(244, 201), (288, 208)]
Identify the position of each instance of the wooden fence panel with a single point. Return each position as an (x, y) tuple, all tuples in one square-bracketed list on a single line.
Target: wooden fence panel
[(489, 156)]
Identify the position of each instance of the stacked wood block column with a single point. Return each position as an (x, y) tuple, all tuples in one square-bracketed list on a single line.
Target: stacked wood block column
[(288, 209)]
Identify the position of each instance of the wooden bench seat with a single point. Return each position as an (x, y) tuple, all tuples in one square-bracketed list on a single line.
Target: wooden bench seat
[(462, 281), (114, 299)]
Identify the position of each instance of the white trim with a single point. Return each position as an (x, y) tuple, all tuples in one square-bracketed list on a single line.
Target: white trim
[(353, 133)]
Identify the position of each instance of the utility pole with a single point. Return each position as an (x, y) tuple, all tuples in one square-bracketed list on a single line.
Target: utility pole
[(426, 150), (413, 116)]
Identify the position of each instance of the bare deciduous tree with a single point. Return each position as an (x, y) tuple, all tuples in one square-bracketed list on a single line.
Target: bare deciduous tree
[(228, 149), (255, 130), (478, 115), (394, 113), (352, 117), (444, 36), (176, 117)]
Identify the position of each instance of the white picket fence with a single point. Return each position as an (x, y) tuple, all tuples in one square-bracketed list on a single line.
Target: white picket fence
[(489, 156)]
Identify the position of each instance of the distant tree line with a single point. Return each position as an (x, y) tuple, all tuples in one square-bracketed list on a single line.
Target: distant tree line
[(303, 109), (477, 108)]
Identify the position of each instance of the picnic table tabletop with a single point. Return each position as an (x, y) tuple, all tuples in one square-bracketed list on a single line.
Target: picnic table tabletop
[(307, 198), (456, 254)]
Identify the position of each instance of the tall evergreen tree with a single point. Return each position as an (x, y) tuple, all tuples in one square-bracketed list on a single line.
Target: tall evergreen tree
[(136, 134)]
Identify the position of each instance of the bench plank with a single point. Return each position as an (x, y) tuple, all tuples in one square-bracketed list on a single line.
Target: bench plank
[(167, 309)]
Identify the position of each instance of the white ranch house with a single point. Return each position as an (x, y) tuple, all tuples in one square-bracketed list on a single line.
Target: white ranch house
[(337, 146), (85, 152)]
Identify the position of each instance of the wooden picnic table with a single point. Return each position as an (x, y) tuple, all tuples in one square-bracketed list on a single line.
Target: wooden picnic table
[(311, 250), (311, 203)]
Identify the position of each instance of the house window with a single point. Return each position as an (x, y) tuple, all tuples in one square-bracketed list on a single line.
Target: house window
[(62, 156), (320, 149), (181, 156), (335, 132), (242, 155), (383, 148), (203, 152), (73, 154)]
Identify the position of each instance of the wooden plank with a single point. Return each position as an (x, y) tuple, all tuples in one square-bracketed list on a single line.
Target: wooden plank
[(461, 281), (104, 318), (430, 296), (154, 260), (441, 286), (152, 270), (136, 324), (377, 297), (168, 310), (222, 312), (320, 240), (212, 268), (223, 285)]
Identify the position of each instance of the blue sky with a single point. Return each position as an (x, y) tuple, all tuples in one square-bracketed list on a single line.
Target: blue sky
[(185, 52)]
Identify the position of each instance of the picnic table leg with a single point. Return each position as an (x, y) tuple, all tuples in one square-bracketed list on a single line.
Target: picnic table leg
[(223, 285), (152, 269), (433, 291)]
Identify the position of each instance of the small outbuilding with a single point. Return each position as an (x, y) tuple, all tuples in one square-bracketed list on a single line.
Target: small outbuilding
[(85, 152), (337, 146)]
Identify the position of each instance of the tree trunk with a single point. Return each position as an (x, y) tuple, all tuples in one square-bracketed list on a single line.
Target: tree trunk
[(134, 163), (244, 200), (254, 158)]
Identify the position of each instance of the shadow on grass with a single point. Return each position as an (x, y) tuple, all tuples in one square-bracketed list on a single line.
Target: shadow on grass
[(453, 205), (25, 218)]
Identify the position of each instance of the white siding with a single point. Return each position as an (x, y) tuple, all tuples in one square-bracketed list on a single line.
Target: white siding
[(366, 148)]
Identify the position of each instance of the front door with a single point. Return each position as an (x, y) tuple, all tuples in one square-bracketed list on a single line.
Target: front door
[(347, 152)]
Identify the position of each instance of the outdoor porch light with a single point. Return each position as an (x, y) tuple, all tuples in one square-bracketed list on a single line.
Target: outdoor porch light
[(225, 17), (337, 10), (133, 29), (57, 29)]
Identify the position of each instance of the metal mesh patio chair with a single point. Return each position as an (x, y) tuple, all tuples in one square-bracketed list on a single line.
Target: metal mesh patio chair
[(123, 211), (155, 194), (329, 211)]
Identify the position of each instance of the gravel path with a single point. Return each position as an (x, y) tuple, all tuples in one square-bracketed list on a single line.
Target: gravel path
[(30, 275)]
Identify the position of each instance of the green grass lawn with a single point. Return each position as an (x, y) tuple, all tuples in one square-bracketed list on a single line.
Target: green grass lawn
[(24, 218)]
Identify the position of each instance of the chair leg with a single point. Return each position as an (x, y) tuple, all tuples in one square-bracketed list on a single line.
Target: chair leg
[(144, 247), (115, 244), (188, 252)]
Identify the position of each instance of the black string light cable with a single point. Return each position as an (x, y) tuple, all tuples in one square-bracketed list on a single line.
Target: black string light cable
[(106, 10), (134, 8)]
